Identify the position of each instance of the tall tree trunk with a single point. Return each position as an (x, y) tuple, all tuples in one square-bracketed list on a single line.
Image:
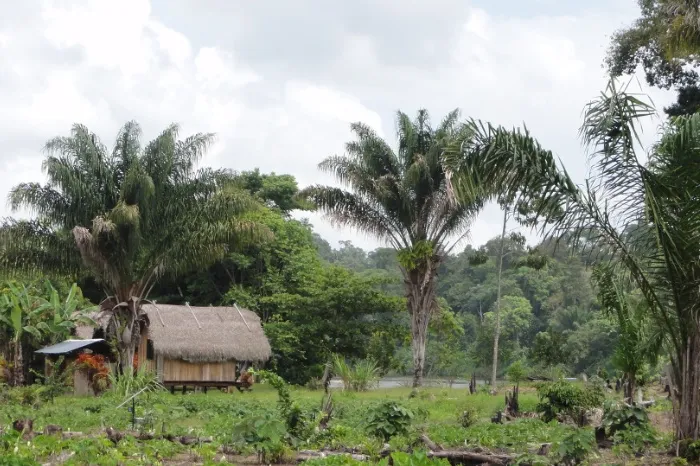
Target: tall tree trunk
[(686, 402), (127, 334), (497, 330), (18, 369), (421, 301)]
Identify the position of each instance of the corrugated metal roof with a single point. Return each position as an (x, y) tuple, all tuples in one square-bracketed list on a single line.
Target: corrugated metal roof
[(69, 346)]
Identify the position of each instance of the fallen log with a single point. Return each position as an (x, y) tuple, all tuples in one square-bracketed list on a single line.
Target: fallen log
[(306, 455), (432, 446), (468, 457)]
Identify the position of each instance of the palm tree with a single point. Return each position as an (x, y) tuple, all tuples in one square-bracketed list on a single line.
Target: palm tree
[(132, 215), (403, 198), (639, 341), (659, 197)]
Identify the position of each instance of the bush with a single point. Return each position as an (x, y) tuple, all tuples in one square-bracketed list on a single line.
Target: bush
[(264, 434), (619, 417), (364, 375), (360, 377), (389, 419), (517, 372), (575, 447), (564, 398), (468, 417), (129, 383)]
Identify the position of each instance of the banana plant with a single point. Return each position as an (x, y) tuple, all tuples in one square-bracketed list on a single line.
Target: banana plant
[(58, 317), (19, 310)]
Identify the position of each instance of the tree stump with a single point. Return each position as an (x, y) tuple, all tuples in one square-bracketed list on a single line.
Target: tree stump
[(512, 406)]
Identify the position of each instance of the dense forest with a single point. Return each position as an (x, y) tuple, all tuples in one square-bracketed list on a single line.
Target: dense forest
[(316, 301)]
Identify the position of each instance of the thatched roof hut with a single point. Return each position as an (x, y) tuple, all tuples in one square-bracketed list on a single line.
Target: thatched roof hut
[(200, 334), (206, 334)]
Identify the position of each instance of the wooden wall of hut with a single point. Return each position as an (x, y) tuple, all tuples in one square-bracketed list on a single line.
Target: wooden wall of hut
[(182, 371), (142, 352)]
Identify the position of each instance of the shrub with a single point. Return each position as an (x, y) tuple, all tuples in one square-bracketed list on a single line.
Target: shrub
[(567, 399), (364, 375), (58, 381), (468, 417), (129, 383), (389, 419), (517, 372), (619, 417), (264, 434), (360, 377), (575, 447)]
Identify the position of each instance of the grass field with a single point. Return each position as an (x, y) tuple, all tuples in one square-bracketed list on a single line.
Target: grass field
[(216, 414)]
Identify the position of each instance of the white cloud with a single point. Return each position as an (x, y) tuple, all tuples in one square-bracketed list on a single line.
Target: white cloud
[(216, 70), (102, 63), (331, 105)]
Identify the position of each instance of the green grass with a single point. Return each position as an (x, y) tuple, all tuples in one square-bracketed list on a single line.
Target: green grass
[(437, 412)]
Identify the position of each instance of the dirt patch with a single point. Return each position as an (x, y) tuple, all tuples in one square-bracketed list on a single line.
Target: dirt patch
[(662, 421)]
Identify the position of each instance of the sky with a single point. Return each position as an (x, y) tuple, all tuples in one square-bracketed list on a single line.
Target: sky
[(280, 82)]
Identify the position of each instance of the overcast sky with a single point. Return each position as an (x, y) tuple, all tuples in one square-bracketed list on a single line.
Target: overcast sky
[(279, 81)]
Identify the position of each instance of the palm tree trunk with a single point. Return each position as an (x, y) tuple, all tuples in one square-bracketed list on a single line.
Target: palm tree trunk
[(497, 330), (127, 336), (421, 300), (687, 400), (18, 369)]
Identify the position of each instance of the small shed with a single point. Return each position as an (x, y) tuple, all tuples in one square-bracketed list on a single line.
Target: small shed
[(190, 346), (70, 349)]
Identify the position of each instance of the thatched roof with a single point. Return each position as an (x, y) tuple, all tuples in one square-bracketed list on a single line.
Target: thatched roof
[(203, 334)]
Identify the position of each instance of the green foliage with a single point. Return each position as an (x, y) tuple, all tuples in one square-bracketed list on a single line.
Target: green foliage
[(416, 256), (575, 447), (517, 372), (569, 399), (628, 425), (619, 416), (417, 458), (358, 377), (265, 434), (469, 417), (299, 423), (389, 419), (127, 384), (335, 460), (59, 380)]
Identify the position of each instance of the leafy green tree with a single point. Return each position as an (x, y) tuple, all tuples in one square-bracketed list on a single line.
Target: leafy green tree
[(278, 191), (516, 318), (665, 41), (404, 198), (134, 215), (549, 349), (337, 313), (444, 353), (642, 213)]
